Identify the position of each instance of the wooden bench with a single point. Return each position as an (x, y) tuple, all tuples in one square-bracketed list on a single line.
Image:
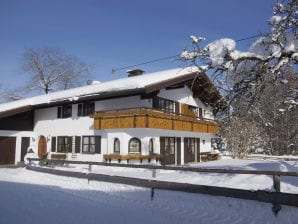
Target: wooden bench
[(109, 157)]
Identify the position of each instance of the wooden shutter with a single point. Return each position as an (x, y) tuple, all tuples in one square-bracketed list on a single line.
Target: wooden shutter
[(178, 140), (162, 144), (156, 102), (80, 109), (198, 150), (59, 112), (177, 108), (200, 113), (184, 109), (53, 149), (77, 144), (70, 144), (97, 145)]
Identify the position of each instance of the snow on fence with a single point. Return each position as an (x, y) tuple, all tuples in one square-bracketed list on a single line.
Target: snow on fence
[(276, 198)]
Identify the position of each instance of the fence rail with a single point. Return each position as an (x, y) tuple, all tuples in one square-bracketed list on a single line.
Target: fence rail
[(276, 198), (177, 168)]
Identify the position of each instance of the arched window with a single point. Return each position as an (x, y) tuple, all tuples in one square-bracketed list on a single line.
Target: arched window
[(134, 145), (116, 146), (151, 146)]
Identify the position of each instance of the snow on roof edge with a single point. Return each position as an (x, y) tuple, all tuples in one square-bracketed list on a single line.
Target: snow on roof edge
[(126, 83)]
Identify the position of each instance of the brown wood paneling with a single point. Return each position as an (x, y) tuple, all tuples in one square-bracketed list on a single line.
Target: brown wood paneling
[(199, 127), (24, 146), (150, 118), (19, 122), (159, 123), (141, 122), (7, 150), (212, 129)]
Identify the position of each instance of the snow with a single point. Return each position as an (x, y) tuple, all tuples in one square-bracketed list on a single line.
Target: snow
[(189, 55), (95, 82), (128, 83), (235, 55), (275, 20), (219, 49), (32, 197), (197, 39)]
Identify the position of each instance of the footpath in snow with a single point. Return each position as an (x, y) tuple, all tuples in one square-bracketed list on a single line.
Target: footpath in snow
[(33, 197)]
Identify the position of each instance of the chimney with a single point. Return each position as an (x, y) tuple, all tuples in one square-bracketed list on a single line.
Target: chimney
[(134, 72)]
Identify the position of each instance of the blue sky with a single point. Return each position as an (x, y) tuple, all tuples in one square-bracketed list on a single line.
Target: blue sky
[(113, 33)]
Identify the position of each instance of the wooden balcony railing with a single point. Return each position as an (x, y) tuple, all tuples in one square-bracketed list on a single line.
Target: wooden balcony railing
[(151, 118)]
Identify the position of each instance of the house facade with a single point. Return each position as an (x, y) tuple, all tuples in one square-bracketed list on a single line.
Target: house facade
[(164, 117)]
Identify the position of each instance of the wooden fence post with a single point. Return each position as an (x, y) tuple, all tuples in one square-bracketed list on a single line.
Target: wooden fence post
[(276, 182), (152, 188)]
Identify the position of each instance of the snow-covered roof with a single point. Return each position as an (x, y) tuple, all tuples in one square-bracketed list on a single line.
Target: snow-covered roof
[(101, 89)]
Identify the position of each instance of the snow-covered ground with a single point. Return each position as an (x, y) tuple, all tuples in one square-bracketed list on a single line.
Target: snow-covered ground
[(240, 181), (32, 197)]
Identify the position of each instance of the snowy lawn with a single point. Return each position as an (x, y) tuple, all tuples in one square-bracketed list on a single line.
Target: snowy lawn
[(240, 181), (32, 197)]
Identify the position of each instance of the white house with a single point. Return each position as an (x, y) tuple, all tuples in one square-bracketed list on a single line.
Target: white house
[(163, 117)]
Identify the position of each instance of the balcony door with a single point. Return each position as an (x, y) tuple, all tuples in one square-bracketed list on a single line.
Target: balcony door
[(170, 150)]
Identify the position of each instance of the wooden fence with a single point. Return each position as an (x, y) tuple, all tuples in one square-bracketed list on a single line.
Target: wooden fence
[(276, 198)]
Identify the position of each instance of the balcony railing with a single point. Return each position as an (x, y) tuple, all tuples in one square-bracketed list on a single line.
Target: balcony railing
[(151, 118)]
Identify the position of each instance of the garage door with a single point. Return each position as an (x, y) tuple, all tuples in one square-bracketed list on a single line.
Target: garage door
[(7, 150)]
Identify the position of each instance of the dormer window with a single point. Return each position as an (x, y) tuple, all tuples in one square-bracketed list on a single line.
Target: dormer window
[(64, 111), (86, 108)]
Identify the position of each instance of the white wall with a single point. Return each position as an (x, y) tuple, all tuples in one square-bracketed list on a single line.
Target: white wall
[(122, 103)]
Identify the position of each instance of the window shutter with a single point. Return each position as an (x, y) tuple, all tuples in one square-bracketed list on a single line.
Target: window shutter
[(53, 149), (78, 144), (200, 113), (59, 112), (70, 144), (198, 150), (80, 109), (162, 144), (97, 145), (156, 102), (177, 108)]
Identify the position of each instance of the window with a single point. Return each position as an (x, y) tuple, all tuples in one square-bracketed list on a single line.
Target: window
[(165, 104), (151, 146), (91, 144), (190, 142), (134, 145), (116, 146), (64, 144), (86, 108), (64, 111), (170, 145)]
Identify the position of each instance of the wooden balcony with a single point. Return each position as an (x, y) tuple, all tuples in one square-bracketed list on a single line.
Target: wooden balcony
[(151, 118)]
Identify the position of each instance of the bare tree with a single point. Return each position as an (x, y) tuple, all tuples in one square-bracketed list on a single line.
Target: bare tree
[(7, 95), (254, 83), (51, 69)]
